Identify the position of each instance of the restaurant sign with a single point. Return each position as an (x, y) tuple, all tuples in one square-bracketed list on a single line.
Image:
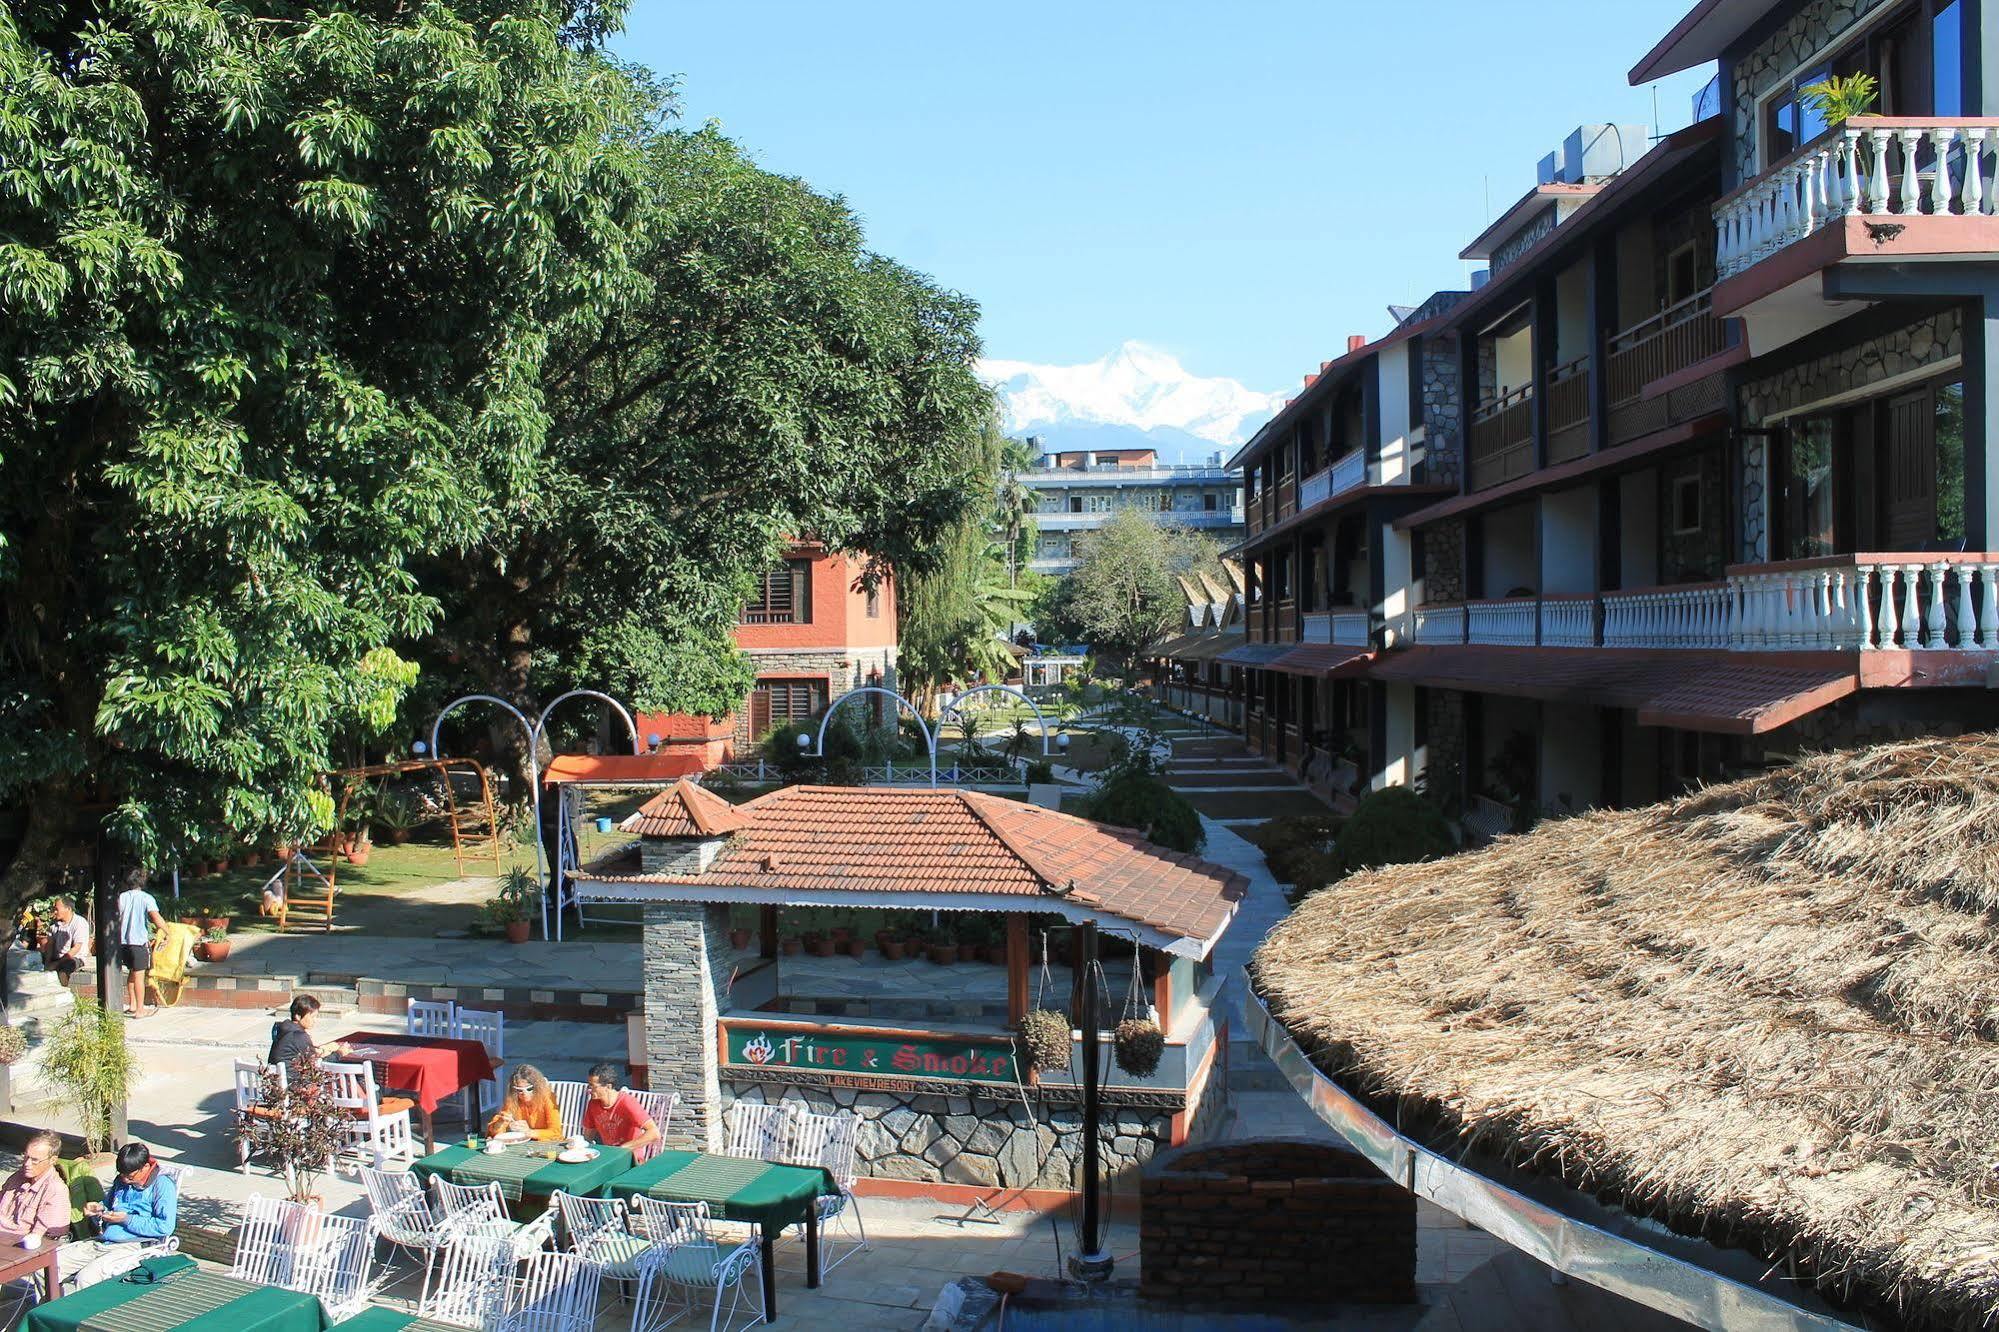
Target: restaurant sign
[(878, 1055)]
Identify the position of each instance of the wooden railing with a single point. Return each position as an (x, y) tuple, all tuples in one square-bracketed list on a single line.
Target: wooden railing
[(1677, 337), (1568, 410), (1502, 438)]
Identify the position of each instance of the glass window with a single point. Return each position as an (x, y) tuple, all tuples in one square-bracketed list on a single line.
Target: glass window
[(1075, 504), (1807, 486), (1788, 120), (1950, 463), (1209, 502), (1946, 55)]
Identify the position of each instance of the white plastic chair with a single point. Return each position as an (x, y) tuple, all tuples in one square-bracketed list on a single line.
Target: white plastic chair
[(401, 1215), (659, 1106), (428, 1017), (250, 1075), (570, 1099), (695, 1261), (386, 1137), (489, 1028), (303, 1249), (472, 1278), (557, 1293)]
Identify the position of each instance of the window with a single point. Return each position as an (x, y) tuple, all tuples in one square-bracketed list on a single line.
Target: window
[(1915, 56), (1075, 504), (775, 703), (1209, 503), (1806, 484), (783, 596), (1100, 504), (1682, 274), (1166, 501), (1686, 505), (875, 602), (1788, 120)]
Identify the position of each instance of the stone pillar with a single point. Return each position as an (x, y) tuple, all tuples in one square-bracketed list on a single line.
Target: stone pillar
[(685, 953)]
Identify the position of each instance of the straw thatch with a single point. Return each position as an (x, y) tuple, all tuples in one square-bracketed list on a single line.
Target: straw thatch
[(1764, 1012)]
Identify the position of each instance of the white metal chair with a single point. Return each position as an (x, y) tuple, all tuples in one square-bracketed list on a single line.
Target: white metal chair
[(599, 1231), (489, 1028), (250, 1074), (431, 1017), (472, 1278), (570, 1100), (695, 1260), (755, 1131), (659, 1106), (830, 1141), (479, 1211), (383, 1133), (401, 1216), (125, 1257), (557, 1293), (303, 1249)]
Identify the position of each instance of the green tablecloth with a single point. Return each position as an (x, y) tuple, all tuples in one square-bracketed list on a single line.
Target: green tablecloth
[(182, 1298), (735, 1189), (519, 1172)]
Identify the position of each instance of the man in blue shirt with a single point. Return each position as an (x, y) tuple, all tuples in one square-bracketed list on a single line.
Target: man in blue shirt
[(144, 1203), (137, 910)]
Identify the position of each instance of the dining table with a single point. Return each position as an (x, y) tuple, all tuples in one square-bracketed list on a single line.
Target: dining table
[(378, 1319), (171, 1293), (526, 1169), (428, 1068), (19, 1262), (765, 1194)]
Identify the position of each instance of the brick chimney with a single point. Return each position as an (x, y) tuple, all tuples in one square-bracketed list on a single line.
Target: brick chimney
[(1355, 341)]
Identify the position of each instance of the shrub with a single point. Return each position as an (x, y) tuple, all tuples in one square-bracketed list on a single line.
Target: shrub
[(1142, 802), (1041, 770), (1137, 1045), (12, 1044), (1393, 826), (87, 1063)]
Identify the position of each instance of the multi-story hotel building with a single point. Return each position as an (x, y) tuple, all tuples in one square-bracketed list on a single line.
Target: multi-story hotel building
[(1078, 491), (1702, 475)]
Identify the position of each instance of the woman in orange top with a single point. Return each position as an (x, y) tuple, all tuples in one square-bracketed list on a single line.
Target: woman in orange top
[(529, 1107)]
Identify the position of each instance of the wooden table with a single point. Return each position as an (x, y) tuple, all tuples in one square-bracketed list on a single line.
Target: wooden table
[(19, 1262), (740, 1189), (429, 1068), (171, 1292)]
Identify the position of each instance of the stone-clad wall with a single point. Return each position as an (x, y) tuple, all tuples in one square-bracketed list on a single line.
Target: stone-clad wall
[(1861, 365), (685, 947), (1443, 412), (988, 1141), (1522, 240), (1779, 55), (1274, 1219), (845, 670)]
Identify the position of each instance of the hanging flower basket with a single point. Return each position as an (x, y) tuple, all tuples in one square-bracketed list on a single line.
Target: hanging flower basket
[(12, 1044), (1137, 1045), (1045, 1035)]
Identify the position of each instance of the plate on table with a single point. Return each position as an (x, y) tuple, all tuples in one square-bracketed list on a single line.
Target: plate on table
[(576, 1155), (511, 1138)]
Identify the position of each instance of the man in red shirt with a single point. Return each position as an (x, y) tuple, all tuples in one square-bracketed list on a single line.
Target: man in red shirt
[(615, 1119)]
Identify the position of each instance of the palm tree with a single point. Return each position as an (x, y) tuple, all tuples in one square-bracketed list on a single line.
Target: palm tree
[(1016, 502)]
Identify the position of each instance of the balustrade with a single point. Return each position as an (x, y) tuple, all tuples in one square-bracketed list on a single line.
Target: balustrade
[(1677, 337), (1876, 165), (1568, 621), (1440, 624), (1508, 623), (1350, 628), (1695, 615), (1869, 602), (1502, 438)]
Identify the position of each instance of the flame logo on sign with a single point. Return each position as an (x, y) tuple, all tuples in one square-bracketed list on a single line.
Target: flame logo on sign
[(760, 1050)]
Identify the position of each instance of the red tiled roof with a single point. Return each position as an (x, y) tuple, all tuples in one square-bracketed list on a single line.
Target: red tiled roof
[(806, 839), (686, 811), (1323, 660), (1730, 692), (622, 767)]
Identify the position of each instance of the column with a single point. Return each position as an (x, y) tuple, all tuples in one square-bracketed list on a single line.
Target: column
[(1981, 419), (685, 956)]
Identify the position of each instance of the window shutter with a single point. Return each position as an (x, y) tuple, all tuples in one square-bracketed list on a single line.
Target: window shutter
[(759, 713), (801, 592)]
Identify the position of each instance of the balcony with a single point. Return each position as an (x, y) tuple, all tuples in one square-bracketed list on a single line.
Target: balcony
[(1568, 410), (1870, 602), (1876, 166), (1341, 627), (1502, 438)]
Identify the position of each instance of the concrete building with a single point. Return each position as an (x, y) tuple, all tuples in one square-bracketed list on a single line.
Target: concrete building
[(1079, 491)]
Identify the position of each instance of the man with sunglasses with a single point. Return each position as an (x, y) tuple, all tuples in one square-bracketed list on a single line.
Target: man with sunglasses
[(35, 1199)]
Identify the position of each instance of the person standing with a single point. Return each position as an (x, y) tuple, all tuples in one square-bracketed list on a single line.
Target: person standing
[(69, 941), (137, 911)]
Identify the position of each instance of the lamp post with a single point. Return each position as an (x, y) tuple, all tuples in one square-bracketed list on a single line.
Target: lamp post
[(535, 731), (815, 746)]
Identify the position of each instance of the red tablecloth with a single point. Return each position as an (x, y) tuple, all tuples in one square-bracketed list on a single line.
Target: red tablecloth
[(430, 1068)]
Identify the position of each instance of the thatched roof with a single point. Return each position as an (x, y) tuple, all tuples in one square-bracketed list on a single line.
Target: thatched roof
[(1764, 1012)]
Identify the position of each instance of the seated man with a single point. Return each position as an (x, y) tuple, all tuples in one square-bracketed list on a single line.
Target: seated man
[(35, 1199), (615, 1119), (291, 1040), (143, 1208)]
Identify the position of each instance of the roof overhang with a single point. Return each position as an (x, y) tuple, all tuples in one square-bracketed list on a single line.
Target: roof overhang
[(1324, 661), (1537, 200), (632, 892), (1709, 28)]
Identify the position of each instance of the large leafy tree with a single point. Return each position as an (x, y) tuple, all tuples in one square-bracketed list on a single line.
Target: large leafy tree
[(771, 380), (276, 284), (1123, 593)]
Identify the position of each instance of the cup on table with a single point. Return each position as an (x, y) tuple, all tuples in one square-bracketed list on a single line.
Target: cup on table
[(576, 1143), (31, 1241), (494, 1147)]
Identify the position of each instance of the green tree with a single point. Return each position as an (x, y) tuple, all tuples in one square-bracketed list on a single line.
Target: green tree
[(1123, 593), (276, 282), (1017, 505), (772, 379)]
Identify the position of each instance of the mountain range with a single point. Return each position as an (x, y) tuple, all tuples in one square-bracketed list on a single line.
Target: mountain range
[(1136, 397)]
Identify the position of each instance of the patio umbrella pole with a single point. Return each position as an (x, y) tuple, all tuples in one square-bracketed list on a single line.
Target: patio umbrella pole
[(1091, 1262)]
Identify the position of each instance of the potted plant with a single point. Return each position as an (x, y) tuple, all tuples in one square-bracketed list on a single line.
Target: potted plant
[(509, 908), (360, 844), (297, 1126), (215, 913), (1136, 1046), (86, 1062), (739, 938), (1044, 1035), (790, 945), (214, 945), (818, 945), (396, 817), (283, 852), (841, 935), (857, 948), (942, 949), (891, 945)]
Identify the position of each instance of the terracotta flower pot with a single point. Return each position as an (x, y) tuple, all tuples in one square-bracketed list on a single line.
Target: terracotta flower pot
[(994, 953), (883, 936), (215, 922), (195, 921), (398, 836), (221, 866), (857, 948), (517, 931), (791, 946), (943, 954), (841, 934), (820, 947), (284, 851), (250, 857), (212, 950), (358, 851), (739, 939), (893, 949)]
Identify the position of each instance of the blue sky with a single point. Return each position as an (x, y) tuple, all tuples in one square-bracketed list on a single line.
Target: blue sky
[(1242, 185)]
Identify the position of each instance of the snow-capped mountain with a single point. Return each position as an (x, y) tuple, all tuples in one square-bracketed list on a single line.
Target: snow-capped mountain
[(1138, 396)]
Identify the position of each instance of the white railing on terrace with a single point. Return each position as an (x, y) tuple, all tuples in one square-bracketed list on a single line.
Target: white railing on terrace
[(1694, 615), (1350, 628), (1568, 621), (1440, 624), (1868, 601), (1316, 488), (1874, 165), (1349, 471), (1508, 623)]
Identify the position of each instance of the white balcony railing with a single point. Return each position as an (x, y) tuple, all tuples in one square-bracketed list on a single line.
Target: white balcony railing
[(1316, 488), (1349, 472), (1877, 165), (1869, 602), (1568, 621), (1440, 624), (1508, 623), (1690, 616), (1350, 628)]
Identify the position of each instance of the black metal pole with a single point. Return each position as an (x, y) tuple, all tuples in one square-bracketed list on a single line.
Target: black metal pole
[(1091, 1263)]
